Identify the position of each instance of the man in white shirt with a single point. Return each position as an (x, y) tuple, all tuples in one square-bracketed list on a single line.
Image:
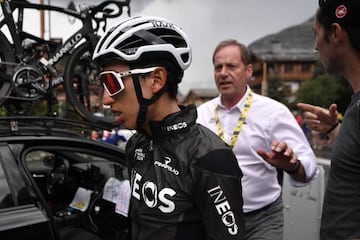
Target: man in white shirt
[(264, 136)]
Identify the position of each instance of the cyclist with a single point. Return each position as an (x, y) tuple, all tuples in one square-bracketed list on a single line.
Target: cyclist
[(185, 182)]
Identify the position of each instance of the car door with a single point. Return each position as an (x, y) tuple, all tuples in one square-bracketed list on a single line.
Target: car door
[(20, 215), (60, 167)]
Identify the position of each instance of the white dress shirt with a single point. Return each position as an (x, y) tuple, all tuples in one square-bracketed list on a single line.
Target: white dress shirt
[(267, 120)]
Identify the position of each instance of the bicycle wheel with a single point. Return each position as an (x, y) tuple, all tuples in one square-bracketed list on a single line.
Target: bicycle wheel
[(83, 88), (6, 58)]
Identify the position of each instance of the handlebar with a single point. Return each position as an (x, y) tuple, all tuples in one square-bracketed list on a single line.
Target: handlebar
[(108, 12), (107, 9), (99, 13)]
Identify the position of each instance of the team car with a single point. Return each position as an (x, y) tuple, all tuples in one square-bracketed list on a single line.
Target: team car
[(56, 183)]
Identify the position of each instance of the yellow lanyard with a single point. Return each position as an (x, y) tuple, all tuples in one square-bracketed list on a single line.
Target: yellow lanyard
[(239, 123)]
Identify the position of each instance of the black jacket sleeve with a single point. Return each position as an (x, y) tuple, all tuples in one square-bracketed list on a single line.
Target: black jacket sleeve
[(218, 194)]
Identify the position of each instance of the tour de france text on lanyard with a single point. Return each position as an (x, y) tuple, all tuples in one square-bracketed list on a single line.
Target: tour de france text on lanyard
[(239, 123)]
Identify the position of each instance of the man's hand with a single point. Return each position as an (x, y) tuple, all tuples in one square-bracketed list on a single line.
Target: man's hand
[(280, 156), (318, 118), (283, 157)]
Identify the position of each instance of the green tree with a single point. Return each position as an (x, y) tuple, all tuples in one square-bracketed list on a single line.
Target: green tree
[(323, 89), (276, 89)]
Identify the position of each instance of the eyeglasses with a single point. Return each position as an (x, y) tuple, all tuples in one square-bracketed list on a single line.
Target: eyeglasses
[(113, 83)]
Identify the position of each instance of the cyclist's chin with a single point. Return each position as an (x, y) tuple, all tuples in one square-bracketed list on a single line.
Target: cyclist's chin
[(118, 119), (129, 125)]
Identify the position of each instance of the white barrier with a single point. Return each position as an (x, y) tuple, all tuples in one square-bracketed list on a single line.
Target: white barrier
[(303, 205)]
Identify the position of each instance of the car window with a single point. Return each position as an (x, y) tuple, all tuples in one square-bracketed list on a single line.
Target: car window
[(13, 190), (6, 200), (73, 184), (59, 173)]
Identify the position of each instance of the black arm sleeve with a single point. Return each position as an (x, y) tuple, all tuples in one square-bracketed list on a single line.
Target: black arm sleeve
[(218, 193)]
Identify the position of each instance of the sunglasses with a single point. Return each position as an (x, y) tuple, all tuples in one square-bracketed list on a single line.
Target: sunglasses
[(113, 83)]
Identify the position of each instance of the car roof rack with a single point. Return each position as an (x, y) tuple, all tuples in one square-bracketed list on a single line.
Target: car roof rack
[(33, 125)]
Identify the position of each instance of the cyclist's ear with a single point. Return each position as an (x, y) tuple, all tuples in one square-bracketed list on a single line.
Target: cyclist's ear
[(159, 76)]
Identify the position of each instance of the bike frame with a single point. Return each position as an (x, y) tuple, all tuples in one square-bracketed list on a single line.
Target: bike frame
[(86, 32), (29, 75)]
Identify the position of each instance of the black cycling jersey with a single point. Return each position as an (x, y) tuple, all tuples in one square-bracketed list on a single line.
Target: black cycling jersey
[(185, 182)]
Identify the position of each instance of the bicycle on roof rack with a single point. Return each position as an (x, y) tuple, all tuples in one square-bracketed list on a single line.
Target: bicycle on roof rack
[(32, 68), (46, 125)]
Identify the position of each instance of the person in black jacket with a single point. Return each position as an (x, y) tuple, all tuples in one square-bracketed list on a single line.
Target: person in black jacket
[(185, 181), (337, 39)]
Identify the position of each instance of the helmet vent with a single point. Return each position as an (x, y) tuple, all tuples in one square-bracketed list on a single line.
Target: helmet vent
[(141, 38)]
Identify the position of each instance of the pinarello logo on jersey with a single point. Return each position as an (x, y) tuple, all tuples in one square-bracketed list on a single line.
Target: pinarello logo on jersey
[(166, 166), (341, 11)]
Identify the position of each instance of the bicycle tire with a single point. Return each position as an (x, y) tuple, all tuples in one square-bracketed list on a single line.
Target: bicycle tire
[(83, 88), (6, 55)]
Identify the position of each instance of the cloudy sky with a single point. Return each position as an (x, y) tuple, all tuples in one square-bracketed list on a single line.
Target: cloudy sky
[(207, 22)]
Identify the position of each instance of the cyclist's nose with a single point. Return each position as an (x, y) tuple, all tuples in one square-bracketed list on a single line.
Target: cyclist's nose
[(107, 100)]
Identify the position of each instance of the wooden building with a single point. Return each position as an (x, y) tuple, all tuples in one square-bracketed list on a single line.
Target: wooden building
[(199, 95), (288, 55)]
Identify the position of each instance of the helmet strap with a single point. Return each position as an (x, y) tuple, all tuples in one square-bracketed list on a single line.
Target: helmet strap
[(143, 102)]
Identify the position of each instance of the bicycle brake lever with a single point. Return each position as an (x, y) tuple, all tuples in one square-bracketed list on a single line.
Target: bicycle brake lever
[(104, 27)]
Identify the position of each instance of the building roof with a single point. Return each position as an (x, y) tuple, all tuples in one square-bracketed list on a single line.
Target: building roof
[(295, 43)]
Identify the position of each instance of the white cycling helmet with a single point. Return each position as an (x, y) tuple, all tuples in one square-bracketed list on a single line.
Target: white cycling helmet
[(138, 36)]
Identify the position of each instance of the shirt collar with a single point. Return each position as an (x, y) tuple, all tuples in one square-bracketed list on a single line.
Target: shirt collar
[(239, 105)]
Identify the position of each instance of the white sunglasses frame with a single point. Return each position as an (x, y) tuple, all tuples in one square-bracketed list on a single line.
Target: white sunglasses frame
[(119, 76)]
